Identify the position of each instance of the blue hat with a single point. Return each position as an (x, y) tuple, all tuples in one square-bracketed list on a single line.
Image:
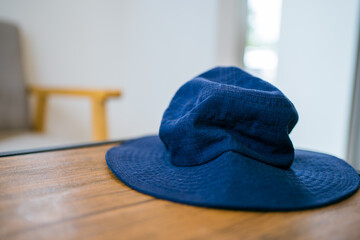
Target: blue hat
[(224, 143)]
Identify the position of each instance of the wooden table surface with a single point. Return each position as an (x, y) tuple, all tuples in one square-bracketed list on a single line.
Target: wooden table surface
[(71, 194)]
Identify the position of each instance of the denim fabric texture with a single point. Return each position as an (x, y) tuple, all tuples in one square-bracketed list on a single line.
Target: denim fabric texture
[(224, 142)]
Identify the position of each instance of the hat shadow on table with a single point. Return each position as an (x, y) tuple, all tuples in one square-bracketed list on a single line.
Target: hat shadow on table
[(224, 143)]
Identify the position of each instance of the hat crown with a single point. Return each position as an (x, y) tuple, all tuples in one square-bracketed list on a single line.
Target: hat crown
[(227, 109)]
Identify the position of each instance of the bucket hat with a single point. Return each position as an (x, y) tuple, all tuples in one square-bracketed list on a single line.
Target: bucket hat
[(224, 143)]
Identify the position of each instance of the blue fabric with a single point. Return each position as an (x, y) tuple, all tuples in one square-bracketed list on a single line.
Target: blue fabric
[(224, 142), (226, 109)]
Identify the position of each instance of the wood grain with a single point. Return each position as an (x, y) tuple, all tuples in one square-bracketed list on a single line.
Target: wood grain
[(71, 194)]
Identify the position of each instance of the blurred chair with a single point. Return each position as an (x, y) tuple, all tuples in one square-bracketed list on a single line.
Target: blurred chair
[(14, 94)]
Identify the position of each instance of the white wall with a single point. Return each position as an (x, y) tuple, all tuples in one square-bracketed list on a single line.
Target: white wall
[(146, 48), (149, 48), (316, 69)]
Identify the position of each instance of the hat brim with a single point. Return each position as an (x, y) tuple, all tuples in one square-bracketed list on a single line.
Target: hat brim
[(233, 181)]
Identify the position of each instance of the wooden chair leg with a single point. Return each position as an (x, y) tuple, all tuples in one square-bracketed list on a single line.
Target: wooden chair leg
[(99, 119), (40, 112)]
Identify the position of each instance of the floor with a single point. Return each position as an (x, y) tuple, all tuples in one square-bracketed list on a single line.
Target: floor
[(22, 140)]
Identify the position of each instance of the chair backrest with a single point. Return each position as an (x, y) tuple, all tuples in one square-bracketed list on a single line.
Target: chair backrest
[(13, 99)]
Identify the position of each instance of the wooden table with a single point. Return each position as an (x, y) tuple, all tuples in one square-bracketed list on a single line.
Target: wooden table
[(71, 194)]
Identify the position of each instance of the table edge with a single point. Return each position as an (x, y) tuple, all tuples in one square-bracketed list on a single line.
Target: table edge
[(59, 148)]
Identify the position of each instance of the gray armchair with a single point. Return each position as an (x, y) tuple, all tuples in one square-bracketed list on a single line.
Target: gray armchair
[(13, 100), (16, 129)]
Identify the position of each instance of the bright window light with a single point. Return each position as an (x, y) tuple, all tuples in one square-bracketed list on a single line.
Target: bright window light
[(261, 55)]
